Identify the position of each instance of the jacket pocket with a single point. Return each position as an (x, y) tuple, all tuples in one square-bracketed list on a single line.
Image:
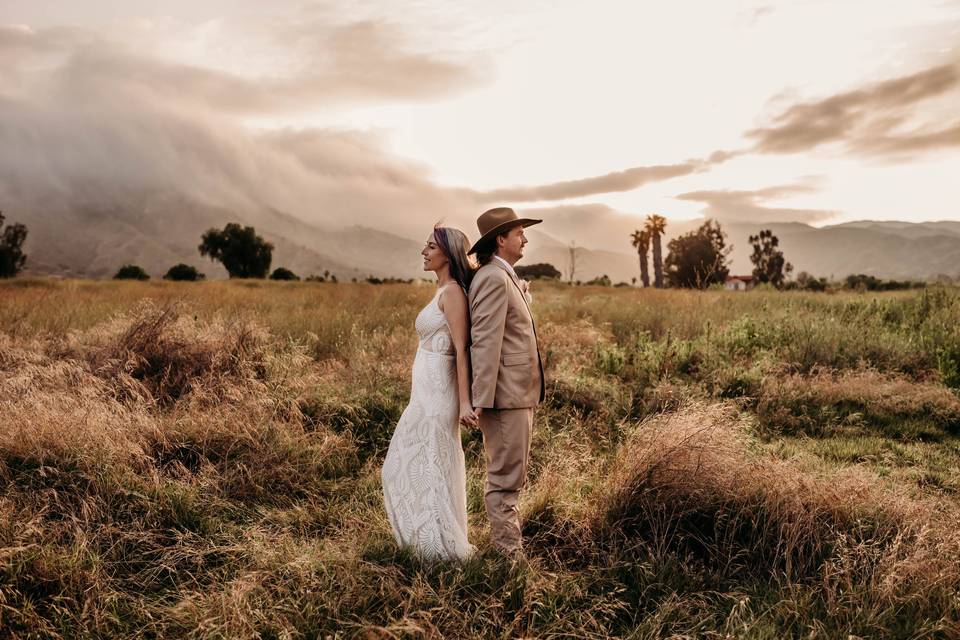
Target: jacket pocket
[(513, 359)]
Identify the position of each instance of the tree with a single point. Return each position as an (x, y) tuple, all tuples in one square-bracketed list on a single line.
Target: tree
[(12, 257), (641, 242), (572, 260), (282, 273), (131, 272), (698, 259), (539, 271), (656, 224), (183, 272), (243, 253), (768, 262), (810, 283)]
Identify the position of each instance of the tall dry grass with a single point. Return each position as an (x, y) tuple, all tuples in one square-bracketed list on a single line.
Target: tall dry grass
[(201, 460)]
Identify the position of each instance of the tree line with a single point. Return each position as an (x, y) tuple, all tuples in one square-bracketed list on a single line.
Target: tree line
[(242, 252), (699, 258)]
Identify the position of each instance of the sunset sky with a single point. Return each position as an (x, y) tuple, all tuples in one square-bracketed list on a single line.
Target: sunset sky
[(810, 110)]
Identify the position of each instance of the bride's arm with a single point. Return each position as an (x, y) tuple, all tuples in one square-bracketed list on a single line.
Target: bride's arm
[(453, 303)]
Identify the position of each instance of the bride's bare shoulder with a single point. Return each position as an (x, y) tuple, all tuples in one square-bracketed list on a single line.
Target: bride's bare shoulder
[(452, 294)]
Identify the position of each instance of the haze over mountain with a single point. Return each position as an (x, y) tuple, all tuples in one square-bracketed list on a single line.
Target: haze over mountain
[(156, 232), (886, 249), (344, 131)]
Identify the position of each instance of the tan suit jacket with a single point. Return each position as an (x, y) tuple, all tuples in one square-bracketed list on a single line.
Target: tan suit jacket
[(504, 353)]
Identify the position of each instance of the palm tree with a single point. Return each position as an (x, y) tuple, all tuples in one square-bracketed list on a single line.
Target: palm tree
[(655, 227), (641, 240)]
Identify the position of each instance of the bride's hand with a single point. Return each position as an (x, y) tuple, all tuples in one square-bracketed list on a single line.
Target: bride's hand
[(467, 416)]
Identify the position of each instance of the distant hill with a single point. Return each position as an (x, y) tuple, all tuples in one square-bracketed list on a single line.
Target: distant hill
[(900, 250), (159, 230)]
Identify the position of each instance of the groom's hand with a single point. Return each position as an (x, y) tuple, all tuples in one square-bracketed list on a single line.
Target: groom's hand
[(468, 417)]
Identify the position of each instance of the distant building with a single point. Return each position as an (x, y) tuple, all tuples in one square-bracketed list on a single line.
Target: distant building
[(739, 283)]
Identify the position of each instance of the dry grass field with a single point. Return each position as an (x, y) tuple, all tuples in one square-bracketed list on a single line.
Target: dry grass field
[(201, 460)]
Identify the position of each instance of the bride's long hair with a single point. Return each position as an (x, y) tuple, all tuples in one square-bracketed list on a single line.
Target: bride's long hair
[(455, 244)]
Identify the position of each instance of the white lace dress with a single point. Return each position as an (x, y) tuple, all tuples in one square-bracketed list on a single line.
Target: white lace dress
[(423, 475)]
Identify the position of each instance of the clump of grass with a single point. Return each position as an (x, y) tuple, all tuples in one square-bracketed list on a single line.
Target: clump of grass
[(691, 486), (252, 460), (155, 355), (117, 501), (684, 485), (857, 402), (57, 413)]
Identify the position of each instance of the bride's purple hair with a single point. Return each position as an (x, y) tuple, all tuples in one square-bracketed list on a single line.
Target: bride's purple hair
[(454, 244)]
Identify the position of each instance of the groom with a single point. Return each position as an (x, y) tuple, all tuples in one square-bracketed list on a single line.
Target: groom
[(507, 371)]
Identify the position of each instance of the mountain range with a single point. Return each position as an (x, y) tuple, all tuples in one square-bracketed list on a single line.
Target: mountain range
[(156, 231), (890, 250)]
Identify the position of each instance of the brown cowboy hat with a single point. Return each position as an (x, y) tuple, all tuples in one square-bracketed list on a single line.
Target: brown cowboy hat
[(496, 221)]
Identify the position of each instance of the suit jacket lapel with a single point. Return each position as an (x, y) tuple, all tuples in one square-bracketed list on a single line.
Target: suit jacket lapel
[(516, 282), (536, 339)]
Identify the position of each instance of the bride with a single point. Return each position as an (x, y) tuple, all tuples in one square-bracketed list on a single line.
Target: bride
[(423, 475)]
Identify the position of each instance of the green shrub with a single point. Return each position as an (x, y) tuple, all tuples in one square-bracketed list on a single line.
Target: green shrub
[(183, 273), (282, 273), (131, 272)]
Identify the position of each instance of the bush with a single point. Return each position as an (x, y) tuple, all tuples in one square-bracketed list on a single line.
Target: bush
[(390, 280), (687, 484), (541, 270), (326, 277), (807, 282), (155, 357), (12, 257), (863, 282), (131, 272), (282, 273), (183, 272), (602, 281)]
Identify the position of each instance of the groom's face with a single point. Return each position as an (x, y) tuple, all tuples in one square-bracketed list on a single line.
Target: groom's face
[(511, 244)]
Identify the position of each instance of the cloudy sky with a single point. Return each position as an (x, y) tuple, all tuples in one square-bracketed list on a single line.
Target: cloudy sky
[(396, 113)]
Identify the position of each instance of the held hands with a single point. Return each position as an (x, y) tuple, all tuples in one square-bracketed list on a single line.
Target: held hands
[(468, 416)]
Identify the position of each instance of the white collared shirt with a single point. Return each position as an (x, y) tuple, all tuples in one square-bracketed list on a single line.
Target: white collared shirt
[(508, 266)]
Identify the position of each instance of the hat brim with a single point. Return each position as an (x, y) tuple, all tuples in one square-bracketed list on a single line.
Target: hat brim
[(500, 228)]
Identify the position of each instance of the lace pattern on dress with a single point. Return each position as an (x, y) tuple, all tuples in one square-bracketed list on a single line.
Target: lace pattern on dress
[(424, 474)]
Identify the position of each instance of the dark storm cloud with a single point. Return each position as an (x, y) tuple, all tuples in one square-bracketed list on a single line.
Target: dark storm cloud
[(86, 122)]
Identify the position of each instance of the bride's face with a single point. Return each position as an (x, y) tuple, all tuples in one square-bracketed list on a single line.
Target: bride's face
[(433, 257)]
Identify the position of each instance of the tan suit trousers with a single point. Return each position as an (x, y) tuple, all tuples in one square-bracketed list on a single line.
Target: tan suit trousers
[(506, 444)]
